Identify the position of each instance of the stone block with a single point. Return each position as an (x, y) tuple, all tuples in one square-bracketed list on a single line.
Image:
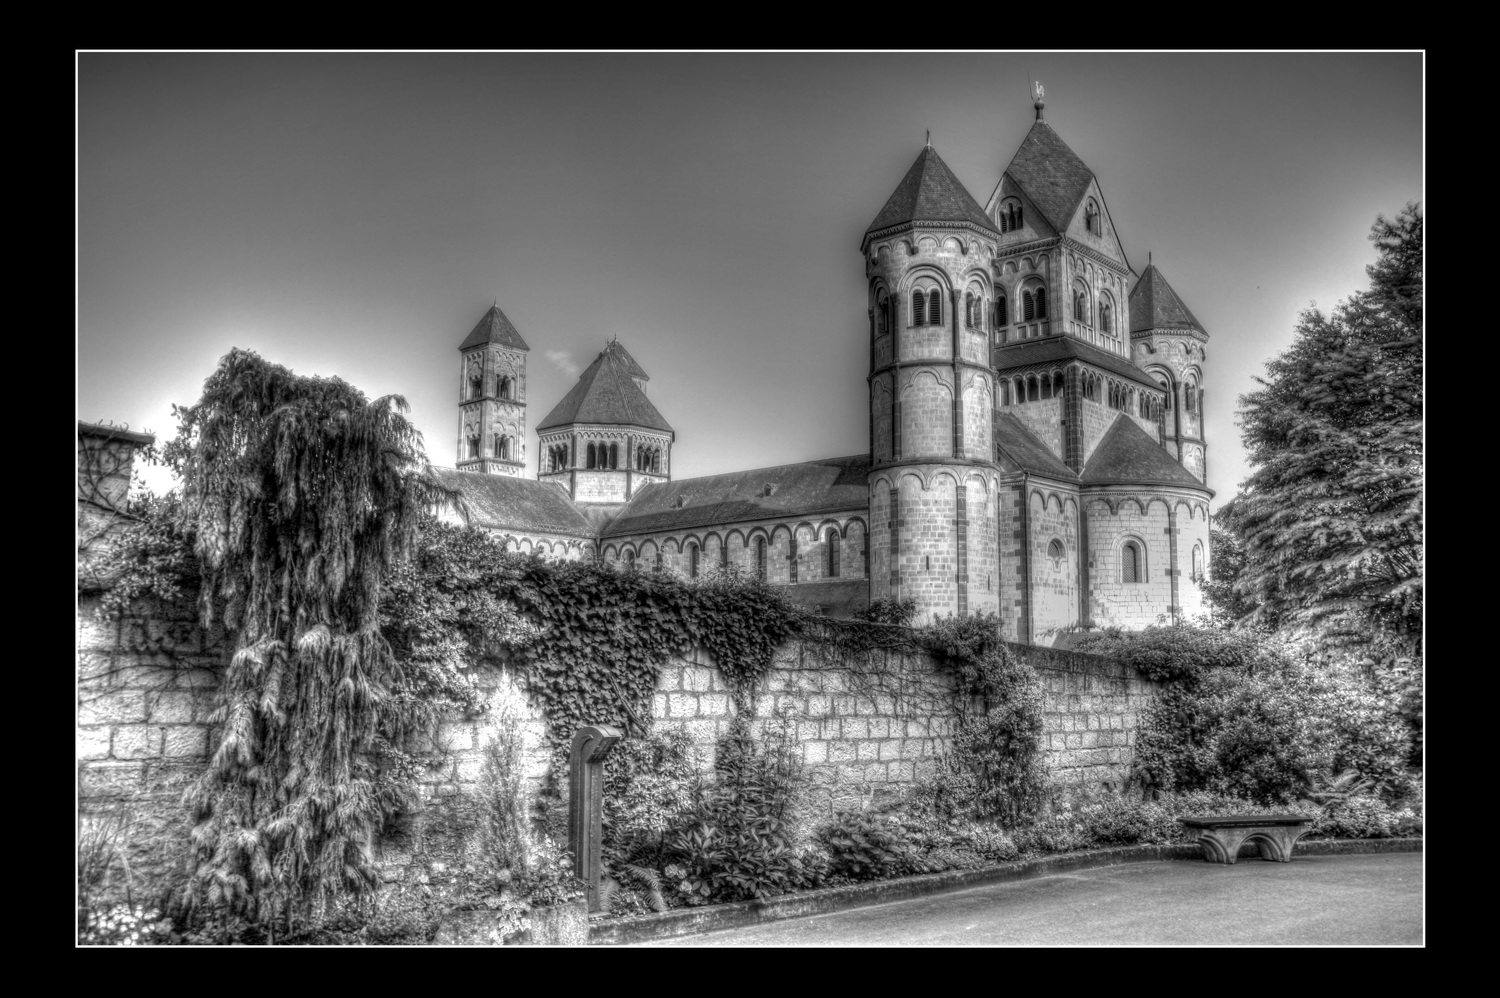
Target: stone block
[(904, 771), (456, 737), (808, 730), (776, 681), (819, 706), (686, 705), (849, 773), (658, 705), (196, 679), (867, 750), (844, 706), (171, 707), (185, 741), (137, 741), (854, 727), (713, 705), (889, 749), (115, 707), (170, 777), (93, 743), (1088, 739), (696, 679), (842, 751), (702, 732), (879, 727), (823, 776), (468, 768), (814, 752), (101, 779)]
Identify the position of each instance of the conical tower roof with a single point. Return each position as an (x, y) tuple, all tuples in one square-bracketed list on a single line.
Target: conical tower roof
[(1154, 305), (1051, 175), (931, 193), (494, 328), (607, 393)]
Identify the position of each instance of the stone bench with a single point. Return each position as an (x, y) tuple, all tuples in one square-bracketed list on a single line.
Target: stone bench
[(1274, 834)]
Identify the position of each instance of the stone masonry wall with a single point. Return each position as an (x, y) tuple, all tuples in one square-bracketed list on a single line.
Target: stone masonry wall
[(147, 685)]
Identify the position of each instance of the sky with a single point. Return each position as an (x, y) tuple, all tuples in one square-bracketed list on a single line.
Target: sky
[(355, 214)]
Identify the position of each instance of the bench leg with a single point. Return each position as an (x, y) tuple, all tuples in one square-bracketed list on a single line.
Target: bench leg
[(1222, 845), (1276, 844)]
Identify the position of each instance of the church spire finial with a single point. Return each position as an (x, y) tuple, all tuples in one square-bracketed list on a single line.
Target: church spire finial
[(1036, 99), (929, 138), (1148, 258)]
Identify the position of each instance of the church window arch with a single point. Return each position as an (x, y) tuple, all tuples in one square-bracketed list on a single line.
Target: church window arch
[(1033, 389), (474, 446), (919, 307), (882, 314), (693, 561), (760, 558), (835, 554), (506, 388), (935, 308), (1081, 305), (1106, 317), (1010, 215), (476, 382), (1091, 219), (629, 556), (1002, 319), (614, 455), (1189, 393), (1005, 393), (1132, 561), (593, 457), (968, 310), (1056, 551), (1198, 562)]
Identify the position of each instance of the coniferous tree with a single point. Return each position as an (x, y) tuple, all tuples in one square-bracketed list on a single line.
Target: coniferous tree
[(302, 494), (1331, 517)]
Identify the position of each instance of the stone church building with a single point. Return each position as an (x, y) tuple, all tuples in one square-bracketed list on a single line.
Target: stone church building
[(1035, 425)]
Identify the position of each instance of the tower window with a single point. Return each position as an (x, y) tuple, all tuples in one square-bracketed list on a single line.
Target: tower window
[(834, 553), (1028, 307), (693, 560), (1130, 563), (968, 311), (1001, 319), (592, 457), (882, 316), (935, 308), (1188, 391), (918, 308), (1106, 319), (474, 446), (1091, 218), (1198, 561), (614, 455), (760, 558), (1005, 393), (476, 386), (505, 389), (1010, 216), (1056, 551), (1080, 306)]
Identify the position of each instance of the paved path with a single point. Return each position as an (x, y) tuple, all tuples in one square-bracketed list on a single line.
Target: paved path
[(1313, 900)]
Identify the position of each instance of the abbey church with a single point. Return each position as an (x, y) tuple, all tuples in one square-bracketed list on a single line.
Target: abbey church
[(1035, 429)]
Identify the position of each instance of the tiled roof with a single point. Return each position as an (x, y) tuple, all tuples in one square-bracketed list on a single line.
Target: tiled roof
[(499, 502), (1154, 305), (835, 485), (1018, 443), (834, 597), (931, 193), (1127, 456), (631, 367), (607, 393), (494, 328), (1050, 349), (107, 432), (1051, 174)]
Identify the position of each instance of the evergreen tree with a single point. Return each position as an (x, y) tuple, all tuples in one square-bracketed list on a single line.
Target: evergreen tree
[(1331, 517), (302, 494)]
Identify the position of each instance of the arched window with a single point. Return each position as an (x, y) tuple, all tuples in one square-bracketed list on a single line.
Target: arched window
[(1080, 306), (1131, 569), (1198, 561), (935, 308), (1189, 403), (656, 460), (629, 556), (760, 558), (1091, 218), (834, 554), (506, 388), (614, 455), (476, 386), (1010, 216), (1106, 317), (882, 316), (693, 560), (1028, 306), (1005, 393), (1001, 316), (1033, 389), (1046, 387), (1056, 552), (474, 446), (919, 308), (593, 457)]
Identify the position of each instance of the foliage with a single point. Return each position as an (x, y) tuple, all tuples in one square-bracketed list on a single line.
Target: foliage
[(301, 494), (504, 829), (1225, 605), (124, 924), (104, 873), (864, 845), (149, 555), (1181, 653), (738, 843), (1331, 516), (889, 611), (999, 699)]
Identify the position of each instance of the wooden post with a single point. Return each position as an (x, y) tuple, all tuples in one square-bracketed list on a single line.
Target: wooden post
[(586, 805)]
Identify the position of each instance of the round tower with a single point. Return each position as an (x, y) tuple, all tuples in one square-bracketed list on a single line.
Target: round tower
[(1167, 342), (933, 485)]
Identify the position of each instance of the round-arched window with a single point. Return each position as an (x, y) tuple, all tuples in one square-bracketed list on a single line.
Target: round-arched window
[(1056, 552)]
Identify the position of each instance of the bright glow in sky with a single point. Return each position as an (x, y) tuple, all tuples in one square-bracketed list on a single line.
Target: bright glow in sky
[(356, 214)]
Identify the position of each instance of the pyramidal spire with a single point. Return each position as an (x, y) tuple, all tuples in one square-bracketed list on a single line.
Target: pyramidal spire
[(931, 193)]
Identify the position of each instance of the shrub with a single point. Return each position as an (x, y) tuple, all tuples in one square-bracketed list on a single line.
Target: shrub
[(865, 845), (1181, 653), (738, 842)]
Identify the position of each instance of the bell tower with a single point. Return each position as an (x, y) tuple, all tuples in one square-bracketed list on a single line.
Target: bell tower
[(1167, 342), (492, 398), (929, 257)]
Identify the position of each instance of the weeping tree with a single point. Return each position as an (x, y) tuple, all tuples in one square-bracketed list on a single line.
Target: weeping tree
[(302, 495)]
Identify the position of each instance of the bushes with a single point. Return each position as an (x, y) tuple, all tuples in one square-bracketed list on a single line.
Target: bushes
[(1178, 654)]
